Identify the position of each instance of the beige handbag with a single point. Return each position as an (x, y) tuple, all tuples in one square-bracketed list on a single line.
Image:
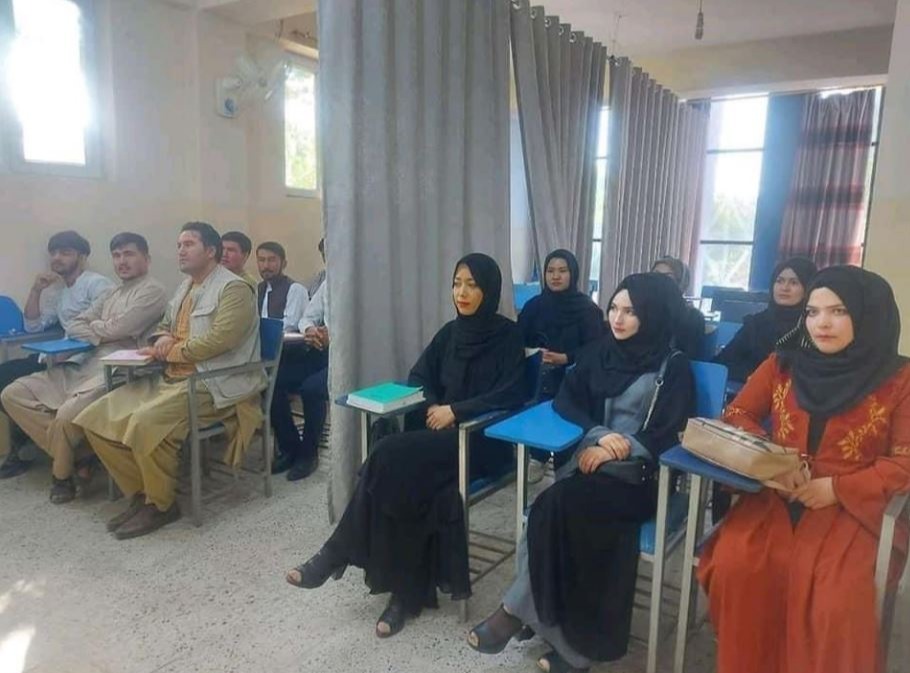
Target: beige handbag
[(739, 451)]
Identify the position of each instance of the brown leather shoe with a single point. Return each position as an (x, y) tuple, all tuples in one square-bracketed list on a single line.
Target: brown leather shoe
[(147, 520), (136, 502)]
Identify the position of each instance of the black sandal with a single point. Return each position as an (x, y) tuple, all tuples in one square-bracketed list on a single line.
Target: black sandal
[(493, 634), (62, 490), (552, 662), (316, 572), (394, 617)]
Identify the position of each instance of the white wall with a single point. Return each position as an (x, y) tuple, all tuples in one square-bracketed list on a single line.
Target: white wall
[(848, 57), (168, 157)]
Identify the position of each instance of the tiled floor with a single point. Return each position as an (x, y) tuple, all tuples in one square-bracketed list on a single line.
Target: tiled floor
[(213, 599)]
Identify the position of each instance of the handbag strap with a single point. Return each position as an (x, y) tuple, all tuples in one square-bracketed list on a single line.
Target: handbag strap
[(658, 384)]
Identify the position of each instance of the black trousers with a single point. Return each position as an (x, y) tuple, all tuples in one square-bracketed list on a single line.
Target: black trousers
[(302, 371)]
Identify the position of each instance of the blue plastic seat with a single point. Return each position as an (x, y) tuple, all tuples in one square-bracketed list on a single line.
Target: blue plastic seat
[(11, 321), (676, 517), (523, 293)]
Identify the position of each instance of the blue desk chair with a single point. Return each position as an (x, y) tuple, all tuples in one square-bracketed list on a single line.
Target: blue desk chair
[(523, 293), (714, 341), (11, 320), (270, 345)]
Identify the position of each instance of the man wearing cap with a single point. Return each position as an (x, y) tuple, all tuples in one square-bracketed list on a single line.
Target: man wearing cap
[(72, 290)]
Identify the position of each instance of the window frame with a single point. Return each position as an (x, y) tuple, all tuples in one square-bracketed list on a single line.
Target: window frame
[(311, 65), (720, 151), (11, 146)]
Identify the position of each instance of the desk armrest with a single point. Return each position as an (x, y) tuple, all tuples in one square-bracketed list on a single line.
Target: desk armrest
[(482, 421)]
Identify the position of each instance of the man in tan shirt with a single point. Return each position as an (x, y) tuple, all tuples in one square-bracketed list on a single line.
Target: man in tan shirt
[(137, 430), (237, 248), (44, 404)]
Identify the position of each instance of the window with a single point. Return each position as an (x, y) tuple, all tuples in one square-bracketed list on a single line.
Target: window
[(599, 197), (736, 137), (300, 150), (49, 70)]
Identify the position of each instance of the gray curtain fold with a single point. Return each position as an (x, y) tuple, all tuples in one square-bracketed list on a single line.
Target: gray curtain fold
[(559, 79), (414, 130), (654, 175), (825, 214)]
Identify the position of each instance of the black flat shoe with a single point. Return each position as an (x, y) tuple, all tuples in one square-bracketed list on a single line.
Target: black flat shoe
[(13, 466), (551, 662), (282, 463), (493, 634), (302, 469), (392, 619), (316, 572), (63, 490)]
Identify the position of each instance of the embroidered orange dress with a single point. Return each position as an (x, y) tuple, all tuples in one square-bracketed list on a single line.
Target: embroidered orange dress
[(802, 600)]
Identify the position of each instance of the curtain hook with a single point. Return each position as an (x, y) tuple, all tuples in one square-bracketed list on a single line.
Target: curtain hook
[(516, 4), (547, 22)]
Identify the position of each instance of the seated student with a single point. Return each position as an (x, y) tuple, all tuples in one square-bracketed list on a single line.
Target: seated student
[(404, 525), (759, 334), (44, 404), (790, 575), (317, 280), (560, 320), (137, 429), (237, 247), (304, 371), (578, 559), (80, 289), (280, 297), (690, 331)]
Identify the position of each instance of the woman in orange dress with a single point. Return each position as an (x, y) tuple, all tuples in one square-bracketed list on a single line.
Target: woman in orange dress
[(790, 576)]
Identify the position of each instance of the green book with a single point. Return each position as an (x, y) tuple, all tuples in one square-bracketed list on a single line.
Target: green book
[(385, 398)]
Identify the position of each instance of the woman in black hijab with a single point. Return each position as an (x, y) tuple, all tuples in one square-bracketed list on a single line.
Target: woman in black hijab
[(690, 329), (759, 334), (561, 319), (631, 394), (405, 523)]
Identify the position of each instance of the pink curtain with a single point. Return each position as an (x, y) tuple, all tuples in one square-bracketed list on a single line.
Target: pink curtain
[(825, 215)]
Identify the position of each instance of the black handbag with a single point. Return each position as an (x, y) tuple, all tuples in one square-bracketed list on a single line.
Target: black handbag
[(638, 471)]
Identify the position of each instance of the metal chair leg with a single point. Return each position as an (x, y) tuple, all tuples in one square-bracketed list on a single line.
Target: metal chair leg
[(657, 574), (195, 457), (267, 450), (688, 572)]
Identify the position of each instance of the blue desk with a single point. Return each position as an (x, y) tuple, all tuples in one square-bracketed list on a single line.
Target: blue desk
[(58, 347), (8, 341), (700, 472), (366, 421), (539, 427)]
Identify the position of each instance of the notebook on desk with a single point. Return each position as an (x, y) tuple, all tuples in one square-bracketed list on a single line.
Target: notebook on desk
[(385, 397), (127, 358), (58, 346)]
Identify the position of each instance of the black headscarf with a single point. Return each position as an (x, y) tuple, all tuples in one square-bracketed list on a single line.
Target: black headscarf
[(609, 366), (781, 320), (561, 321), (476, 333), (680, 271), (827, 385)]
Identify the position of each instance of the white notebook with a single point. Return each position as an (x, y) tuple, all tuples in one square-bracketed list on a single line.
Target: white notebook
[(127, 358)]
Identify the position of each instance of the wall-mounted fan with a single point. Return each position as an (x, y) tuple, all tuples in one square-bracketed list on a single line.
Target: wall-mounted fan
[(249, 83)]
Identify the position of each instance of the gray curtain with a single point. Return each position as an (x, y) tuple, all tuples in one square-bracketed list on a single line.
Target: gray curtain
[(654, 176), (414, 128), (559, 77)]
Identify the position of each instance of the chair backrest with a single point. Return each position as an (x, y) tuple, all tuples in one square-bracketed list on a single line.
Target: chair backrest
[(271, 333), (523, 293), (736, 311), (10, 317), (710, 388), (725, 332)]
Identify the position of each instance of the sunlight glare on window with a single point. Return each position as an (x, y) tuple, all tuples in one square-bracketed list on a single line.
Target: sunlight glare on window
[(301, 165), (738, 123), (47, 83)]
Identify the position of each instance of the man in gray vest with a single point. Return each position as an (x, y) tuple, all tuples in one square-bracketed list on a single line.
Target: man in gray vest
[(137, 430)]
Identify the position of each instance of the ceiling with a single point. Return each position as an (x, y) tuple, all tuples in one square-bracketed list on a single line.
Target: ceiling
[(651, 26)]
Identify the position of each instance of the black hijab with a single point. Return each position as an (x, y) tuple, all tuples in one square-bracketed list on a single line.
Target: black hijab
[(476, 333), (618, 363), (827, 385), (680, 271), (781, 320), (567, 306)]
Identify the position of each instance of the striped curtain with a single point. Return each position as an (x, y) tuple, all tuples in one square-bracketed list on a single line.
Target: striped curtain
[(825, 214)]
